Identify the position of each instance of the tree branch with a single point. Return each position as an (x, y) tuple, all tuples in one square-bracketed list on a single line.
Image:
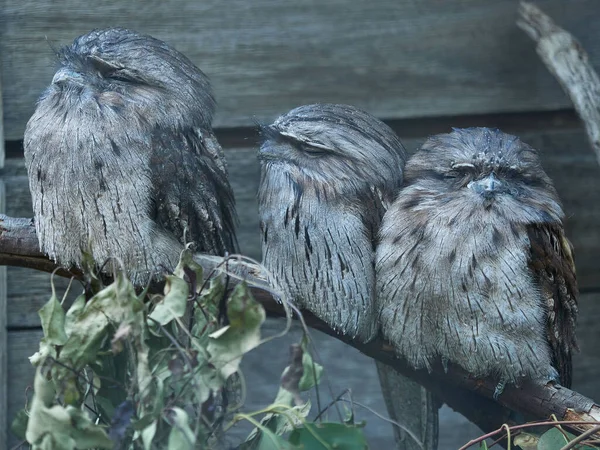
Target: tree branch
[(470, 396), (566, 59)]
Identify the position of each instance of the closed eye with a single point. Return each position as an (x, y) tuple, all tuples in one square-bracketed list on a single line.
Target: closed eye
[(312, 150)]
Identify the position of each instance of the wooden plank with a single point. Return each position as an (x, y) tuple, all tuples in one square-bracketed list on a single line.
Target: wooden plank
[(3, 332), (395, 58)]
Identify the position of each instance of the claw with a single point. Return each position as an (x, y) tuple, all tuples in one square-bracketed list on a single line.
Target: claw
[(499, 389), (445, 364)]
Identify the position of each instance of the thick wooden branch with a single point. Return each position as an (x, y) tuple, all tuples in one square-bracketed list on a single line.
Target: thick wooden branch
[(566, 59), (470, 396)]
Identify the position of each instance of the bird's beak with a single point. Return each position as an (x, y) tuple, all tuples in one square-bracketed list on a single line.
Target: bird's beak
[(268, 150), (65, 74), (488, 186)]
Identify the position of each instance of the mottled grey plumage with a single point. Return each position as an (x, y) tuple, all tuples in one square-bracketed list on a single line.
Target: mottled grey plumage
[(121, 156), (329, 173), (473, 266)]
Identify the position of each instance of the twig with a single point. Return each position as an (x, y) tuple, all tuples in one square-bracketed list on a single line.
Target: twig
[(566, 59)]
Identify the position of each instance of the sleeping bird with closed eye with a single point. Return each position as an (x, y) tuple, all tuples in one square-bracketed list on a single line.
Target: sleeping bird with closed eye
[(473, 267), (122, 160)]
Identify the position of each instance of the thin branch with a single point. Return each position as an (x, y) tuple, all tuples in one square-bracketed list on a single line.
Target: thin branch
[(472, 397), (566, 59)]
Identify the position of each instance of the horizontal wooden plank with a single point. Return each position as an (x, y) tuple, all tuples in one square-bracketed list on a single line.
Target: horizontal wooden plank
[(394, 58), (345, 368)]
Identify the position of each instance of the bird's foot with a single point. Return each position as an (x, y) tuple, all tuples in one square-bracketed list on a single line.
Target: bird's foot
[(499, 389)]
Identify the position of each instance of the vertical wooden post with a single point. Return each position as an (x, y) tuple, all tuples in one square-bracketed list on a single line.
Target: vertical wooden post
[(3, 310)]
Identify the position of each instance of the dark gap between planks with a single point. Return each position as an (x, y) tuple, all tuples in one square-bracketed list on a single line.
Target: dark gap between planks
[(407, 128)]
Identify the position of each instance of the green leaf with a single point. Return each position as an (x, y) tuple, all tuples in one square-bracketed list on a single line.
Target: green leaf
[(181, 436), (53, 426), (328, 435), (19, 424), (173, 304), (312, 371), (46, 350), (52, 316), (228, 344), (148, 434), (554, 439), (73, 313), (187, 262), (267, 440)]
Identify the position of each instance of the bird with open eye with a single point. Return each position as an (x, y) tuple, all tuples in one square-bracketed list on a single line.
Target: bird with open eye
[(329, 173), (122, 160), (473, 267)]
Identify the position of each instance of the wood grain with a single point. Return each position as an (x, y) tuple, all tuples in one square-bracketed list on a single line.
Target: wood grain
[(394, 58), (4, 378)]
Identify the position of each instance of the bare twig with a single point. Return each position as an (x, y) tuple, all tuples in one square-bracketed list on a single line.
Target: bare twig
[(470, 396), (566, 59)]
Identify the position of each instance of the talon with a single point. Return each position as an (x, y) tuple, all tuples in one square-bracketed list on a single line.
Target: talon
[(445, 364), (499, 389)]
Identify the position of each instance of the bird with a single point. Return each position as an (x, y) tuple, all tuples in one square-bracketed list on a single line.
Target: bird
[(473, 266), (122, 161), (328, 174)]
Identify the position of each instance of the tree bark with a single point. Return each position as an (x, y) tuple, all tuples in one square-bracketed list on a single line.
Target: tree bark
[(566, 59)]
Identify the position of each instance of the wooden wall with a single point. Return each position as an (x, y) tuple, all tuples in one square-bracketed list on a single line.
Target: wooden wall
[(423, 66)]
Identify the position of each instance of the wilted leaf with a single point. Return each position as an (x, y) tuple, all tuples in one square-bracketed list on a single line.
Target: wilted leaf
[(267, 440), (46, 350), (526, 441), (148, 434), (181, 436), (187, 264), (63, 428), (19, 424), (173, 304), (312, 371), (73, 313), (242, 335), (293, 373), (336, 435), (280, 423), (52, 316)]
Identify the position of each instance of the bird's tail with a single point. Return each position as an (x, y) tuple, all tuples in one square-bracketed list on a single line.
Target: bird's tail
[(412, 406)]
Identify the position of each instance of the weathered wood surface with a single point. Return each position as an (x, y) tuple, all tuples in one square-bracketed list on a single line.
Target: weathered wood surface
[(566, 59), (3, 333), (345, 367), (395, 58)]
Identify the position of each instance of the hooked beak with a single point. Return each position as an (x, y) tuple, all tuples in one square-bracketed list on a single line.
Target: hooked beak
[(65, 74), (488, 186)]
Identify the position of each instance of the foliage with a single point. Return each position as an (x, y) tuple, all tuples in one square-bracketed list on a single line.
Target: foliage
[(128, 370)]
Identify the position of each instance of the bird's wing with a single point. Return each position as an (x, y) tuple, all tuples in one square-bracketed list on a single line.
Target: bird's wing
[(191, 190), (551, 260)]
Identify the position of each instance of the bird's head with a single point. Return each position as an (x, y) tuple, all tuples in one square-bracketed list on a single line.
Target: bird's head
[(478, 170), (334, 146), (117, 68)]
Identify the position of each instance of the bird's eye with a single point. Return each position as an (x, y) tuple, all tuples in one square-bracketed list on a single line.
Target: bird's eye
[(312, 150), (461, 171)]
